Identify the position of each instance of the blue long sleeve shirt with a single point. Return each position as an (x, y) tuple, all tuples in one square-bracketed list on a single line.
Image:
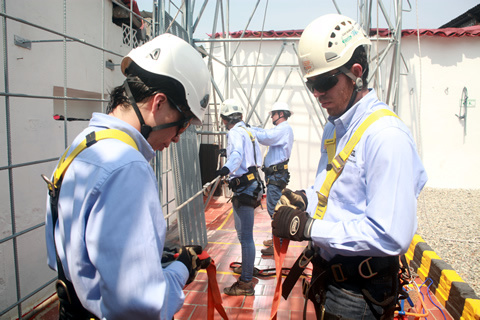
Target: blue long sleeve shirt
[(279, 139), (371, 209), (110, 233), (241, 153)]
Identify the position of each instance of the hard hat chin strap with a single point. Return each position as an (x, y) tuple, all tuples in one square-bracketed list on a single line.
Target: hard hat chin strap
[(144, 128)]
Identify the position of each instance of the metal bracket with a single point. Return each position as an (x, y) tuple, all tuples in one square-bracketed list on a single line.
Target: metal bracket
[(110, 65), (21, 42)]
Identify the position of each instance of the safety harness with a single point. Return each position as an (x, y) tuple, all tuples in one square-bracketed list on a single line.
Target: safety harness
[(247, 179), (70, 306), (366, 267)]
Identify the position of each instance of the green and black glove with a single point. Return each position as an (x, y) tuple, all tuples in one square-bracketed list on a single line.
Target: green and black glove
[(295, 199), (290, 223), (188, 255)]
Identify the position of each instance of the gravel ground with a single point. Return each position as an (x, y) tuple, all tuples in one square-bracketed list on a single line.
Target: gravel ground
[(449, 222)]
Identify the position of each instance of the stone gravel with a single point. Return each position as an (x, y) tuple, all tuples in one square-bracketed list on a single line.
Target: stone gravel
[(449, 222)]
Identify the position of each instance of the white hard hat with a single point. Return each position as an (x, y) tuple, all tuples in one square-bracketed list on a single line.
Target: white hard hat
[(328, 43), (229, 107), (280, 106), (171, 56)]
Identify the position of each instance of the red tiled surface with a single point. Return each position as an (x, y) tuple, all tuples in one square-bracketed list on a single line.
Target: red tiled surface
[(224, 248)]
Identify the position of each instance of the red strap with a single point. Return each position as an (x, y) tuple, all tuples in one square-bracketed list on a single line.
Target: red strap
[(279, 253), (214, 297)]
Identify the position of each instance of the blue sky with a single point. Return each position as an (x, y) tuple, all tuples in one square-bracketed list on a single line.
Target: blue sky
[(289, 14)]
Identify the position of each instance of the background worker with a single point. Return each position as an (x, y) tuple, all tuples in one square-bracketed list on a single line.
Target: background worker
[(243, 160), (370, 216), (110, 231), (279, 140)]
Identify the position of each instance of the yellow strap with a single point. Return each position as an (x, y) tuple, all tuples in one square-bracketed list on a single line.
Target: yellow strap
[(339, 161), (331, 146), (63, 164), (252, 137)]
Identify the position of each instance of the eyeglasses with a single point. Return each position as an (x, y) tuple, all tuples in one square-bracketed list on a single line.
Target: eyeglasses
[(182, 124), (323, 84), (185, 122)]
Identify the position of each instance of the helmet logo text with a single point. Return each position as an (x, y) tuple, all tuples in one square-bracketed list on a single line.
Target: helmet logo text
[(155, 54)]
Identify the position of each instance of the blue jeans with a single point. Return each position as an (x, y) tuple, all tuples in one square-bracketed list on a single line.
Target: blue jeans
[(275, 192), (244, 218), (349, 302)]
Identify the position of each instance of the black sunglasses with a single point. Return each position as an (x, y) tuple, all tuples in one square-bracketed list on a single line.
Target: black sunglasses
[(182, 124), (185, 122), (323, 84)]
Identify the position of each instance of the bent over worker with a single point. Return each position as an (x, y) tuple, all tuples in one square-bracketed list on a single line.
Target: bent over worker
[(279, 140), (361, 211), (106, 235), (243, 161)]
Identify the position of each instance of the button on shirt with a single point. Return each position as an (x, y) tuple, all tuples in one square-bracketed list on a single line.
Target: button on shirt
[(371, 208), (280, 141), (240, 152), (110, 232)]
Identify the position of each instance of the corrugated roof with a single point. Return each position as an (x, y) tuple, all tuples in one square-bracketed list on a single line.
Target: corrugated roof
[(473, 31)]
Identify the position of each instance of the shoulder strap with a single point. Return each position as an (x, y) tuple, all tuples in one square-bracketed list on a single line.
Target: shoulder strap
[(252, 138), (90, 139), (338, 162), (331, 146)]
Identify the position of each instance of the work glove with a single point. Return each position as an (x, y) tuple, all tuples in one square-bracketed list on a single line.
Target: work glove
[(188, 255), (290, 223), (295, 199), (222, 172)]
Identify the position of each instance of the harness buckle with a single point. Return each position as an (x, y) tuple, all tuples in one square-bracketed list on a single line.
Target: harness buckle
[(50, 184), (369, 268), (274, 168), (338, 272), (322, 199), (337, 164), (304, 260)]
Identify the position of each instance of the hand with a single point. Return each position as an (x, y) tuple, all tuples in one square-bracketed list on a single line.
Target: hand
[(290, 223), (222, 172), (296, 200), (188, 255)]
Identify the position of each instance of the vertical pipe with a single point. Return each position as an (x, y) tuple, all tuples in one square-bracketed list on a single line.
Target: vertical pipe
[(9, 161)]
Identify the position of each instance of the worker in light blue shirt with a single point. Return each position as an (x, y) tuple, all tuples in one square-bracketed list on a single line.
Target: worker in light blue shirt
[(105, 230), (243, 161), (363, 223), (279, 140)]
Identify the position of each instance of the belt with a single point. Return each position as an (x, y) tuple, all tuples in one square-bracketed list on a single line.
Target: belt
[(275, 168), (245, 179), (360, 268)]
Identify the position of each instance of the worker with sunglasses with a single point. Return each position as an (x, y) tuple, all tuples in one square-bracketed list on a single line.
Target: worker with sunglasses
[(360, 214), (105, 229)]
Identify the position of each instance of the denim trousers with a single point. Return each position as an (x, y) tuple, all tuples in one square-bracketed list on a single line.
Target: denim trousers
[(348, 301), (275, 192), (244, 218)]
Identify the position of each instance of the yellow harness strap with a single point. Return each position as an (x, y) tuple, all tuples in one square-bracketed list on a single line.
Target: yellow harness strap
[(91, 138), (252, 138), (338, 162), (331, 146)]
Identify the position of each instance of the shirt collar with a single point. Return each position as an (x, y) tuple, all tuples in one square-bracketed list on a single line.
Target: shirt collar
[(109, 122), (355, 113)]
